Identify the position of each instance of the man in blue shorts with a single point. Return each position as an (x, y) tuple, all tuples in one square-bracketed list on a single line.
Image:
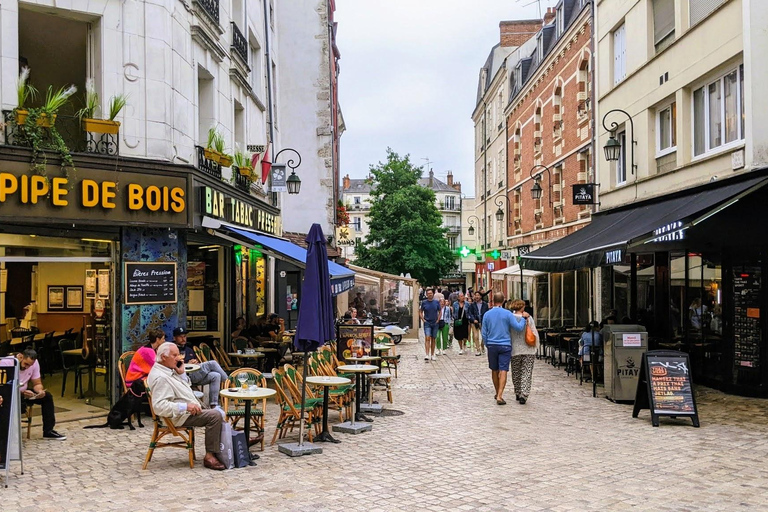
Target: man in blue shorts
[(429, 310), (497, 325)]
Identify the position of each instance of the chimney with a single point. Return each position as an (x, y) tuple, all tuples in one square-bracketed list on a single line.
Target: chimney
[(431, 178), (515, 33), (457, 186), (450, 179), (346, 182), (549, 16)]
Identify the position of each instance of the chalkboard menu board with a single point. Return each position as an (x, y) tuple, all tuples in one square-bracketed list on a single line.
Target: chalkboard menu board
[(150, 282), (665, 386), (746, 321)]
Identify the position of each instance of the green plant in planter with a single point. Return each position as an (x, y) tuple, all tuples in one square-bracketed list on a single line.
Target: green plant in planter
[(91, 102), (24, 90), (210, 146), (243, 164), (116, 104), (54, 100), (42, 139), (225, 160)]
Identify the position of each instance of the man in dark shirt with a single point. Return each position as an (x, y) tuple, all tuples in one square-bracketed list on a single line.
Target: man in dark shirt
[(209, 373), (475, 313), (430, 316)]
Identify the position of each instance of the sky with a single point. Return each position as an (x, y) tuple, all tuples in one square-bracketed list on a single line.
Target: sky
[(408, 78)]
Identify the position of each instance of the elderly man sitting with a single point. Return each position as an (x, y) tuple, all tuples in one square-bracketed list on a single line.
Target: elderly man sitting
[(172, 398)]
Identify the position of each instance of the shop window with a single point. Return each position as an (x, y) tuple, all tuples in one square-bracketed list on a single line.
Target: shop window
[(203, 287), (542, 301), (556, 297), (569, 298), (583, 297)]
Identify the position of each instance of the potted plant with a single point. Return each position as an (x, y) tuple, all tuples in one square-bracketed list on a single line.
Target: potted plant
[(87, 114), (225, 160), (210, 146), (243, 164), (54, 100), (24, 92)]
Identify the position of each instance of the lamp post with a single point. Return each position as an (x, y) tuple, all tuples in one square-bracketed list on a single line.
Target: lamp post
[(471, 229), (613, 147), (536, 191), (293, 183)]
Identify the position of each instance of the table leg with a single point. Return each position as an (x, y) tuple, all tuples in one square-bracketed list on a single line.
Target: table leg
[(247, 430), (325, 435), (358, 396)]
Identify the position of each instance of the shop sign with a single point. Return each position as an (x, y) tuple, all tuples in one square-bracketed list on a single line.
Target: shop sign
[(632, 339), (522, 250), (665, 387), (614, 257), (506, 255), (222, 206), (344, 237), (671, 232), (279, 179), (95, 195), (584, 193)]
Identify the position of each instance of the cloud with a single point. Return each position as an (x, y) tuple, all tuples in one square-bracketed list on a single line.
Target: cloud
[(408, 80)]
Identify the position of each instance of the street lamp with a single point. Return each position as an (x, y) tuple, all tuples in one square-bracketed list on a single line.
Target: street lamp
[(612, 148), (471, 229), (499, 212), (293, 183), (537, 191)]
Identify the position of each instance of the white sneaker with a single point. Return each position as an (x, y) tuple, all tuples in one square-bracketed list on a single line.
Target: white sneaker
[(433, 357), (461, 352), (426, 358)]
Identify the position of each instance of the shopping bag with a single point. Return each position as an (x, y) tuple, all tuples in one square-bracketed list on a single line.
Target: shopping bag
[(226, 455), (240, 448)]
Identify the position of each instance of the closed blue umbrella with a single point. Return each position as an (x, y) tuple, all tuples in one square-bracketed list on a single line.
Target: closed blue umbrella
[(315, 326)]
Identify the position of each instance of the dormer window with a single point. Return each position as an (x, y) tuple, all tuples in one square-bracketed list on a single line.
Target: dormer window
[(560, 21), (540, 47), (518, 76)]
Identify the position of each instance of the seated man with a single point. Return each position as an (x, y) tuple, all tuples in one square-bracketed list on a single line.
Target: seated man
[(209, 373), (172, 398), (33, 392)]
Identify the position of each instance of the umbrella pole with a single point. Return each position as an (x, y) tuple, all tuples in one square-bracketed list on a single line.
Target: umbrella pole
[(303, 398)]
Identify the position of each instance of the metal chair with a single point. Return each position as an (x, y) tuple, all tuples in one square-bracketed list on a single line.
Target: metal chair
[(70, 362)]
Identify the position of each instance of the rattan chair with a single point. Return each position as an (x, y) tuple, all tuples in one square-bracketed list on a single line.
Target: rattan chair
[(290, 410), (164, 427)]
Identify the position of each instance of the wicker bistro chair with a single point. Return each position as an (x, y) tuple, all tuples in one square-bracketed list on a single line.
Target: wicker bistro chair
[(123, 362), (207, 352), (199, 354), (338, 398), (164, 427), (290, 410), (235, 409)]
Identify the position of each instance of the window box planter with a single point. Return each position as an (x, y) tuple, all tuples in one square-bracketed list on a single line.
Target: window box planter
[(212, 155), (101, 126), (43, 119), (225, 160)]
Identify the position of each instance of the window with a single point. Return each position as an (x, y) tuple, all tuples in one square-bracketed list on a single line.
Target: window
[(450, 203), (663, 23), (621, 165), (619, 54), (357, 199), (666, 123), (358, 223), (560, 20), (539, 47), (452, 243), (257, 71), (700, 9), (518, 76), (718, 112)]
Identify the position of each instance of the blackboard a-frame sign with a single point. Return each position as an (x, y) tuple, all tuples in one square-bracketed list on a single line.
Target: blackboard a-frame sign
[(665, 386)]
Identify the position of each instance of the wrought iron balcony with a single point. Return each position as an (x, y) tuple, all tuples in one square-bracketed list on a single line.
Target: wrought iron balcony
[(241, 182), (207, 166), (239, 43), (76, 139), (210, 7), (453, 230)]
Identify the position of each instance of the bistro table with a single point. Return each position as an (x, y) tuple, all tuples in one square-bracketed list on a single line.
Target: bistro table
[(378, 348), (358, 370), (243, 357), (189, 367), (248, 396), (327, 383)]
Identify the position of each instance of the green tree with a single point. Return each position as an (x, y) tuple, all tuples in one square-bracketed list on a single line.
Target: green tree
[(405, 226)]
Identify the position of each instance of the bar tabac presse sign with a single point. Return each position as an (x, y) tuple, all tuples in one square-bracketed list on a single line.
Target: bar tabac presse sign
[(93, 195), (221, 205)]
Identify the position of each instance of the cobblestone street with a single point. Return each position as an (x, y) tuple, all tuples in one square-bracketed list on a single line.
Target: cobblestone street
[(452, 449)]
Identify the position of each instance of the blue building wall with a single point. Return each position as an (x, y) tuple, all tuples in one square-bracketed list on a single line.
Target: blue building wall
[(145, 244)]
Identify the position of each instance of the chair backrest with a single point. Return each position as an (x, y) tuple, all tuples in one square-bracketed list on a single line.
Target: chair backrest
[(284, 399), (240, 343), (66, 344), (207, 352), (123, 362), (254, 377), (294, 382), (199, 354)]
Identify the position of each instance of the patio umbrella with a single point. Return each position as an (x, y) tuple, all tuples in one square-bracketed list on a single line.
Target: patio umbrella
[(315, 325)]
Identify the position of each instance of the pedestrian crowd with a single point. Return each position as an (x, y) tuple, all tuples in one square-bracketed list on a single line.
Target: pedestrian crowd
[(505, 329)]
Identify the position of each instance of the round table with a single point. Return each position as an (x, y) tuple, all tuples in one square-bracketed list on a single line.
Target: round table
[(248, 396), (378, 348), (358, 370), (327, 383), (189, 368), (243, 357)]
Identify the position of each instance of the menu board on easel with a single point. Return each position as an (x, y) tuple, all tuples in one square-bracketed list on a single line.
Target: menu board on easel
[(665, 386), (746, 319)]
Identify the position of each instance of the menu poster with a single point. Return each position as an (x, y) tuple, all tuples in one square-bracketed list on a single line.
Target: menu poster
[(150, 282), (90, 283), (349, 336), (746, 320), (665, 386), (195, 274), (103, 283)]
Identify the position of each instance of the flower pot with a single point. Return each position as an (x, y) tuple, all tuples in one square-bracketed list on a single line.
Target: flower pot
[(21, 116), (225, 160), (245, 171), (212, 155), (45, 120), (101, 126)]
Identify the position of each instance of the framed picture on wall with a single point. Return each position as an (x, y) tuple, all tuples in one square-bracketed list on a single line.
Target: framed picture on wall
[(74, 298), (199, 323), (189, 322), (56, 297)]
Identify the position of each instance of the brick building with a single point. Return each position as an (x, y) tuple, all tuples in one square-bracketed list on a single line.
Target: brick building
[(549, 144)]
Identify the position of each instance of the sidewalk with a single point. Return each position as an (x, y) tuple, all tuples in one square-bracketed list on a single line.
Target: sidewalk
[(452, 449)]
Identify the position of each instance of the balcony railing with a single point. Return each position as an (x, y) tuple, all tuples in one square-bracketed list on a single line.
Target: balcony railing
[(207, 166), (75, 138), (239, 43), (453, 230), (241, 182), (211, 8)]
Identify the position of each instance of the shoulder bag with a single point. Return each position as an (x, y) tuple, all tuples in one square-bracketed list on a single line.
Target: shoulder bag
[(459, 321), (530, 336)]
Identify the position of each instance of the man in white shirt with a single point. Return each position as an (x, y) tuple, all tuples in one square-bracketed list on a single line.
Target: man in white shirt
[(172, 397)]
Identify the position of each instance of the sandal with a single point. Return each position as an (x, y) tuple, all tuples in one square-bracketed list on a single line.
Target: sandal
[(500, 401)]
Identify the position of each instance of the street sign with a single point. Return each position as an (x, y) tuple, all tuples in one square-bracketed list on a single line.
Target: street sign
[(506, 255), (344, 237), (256, 148)]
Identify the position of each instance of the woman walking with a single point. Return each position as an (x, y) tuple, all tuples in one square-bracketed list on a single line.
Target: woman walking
[(460, 322), (523, 355), (444, 327)]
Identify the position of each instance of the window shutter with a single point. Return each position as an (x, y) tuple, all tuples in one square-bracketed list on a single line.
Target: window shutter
[(619, 59), (700, 9), (663, 19)]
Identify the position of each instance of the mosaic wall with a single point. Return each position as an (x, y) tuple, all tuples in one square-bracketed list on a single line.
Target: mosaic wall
[(143, 244)]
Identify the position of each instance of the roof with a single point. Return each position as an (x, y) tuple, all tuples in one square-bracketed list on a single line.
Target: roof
[(493, 63), (437, 185), (300, 239), (358, 186)]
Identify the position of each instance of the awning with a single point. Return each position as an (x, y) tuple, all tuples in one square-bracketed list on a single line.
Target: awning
[(342, 278), (605, 240), (514, 272)]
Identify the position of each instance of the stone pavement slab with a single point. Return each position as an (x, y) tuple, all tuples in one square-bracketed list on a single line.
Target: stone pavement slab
[(452, 448)]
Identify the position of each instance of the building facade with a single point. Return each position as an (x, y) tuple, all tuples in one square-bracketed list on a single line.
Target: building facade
[(549, 127)]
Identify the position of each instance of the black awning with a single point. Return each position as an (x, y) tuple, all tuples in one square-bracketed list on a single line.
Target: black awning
[(605, 240)]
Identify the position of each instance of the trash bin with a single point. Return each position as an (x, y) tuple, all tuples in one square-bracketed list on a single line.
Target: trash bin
[(624, 346)]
